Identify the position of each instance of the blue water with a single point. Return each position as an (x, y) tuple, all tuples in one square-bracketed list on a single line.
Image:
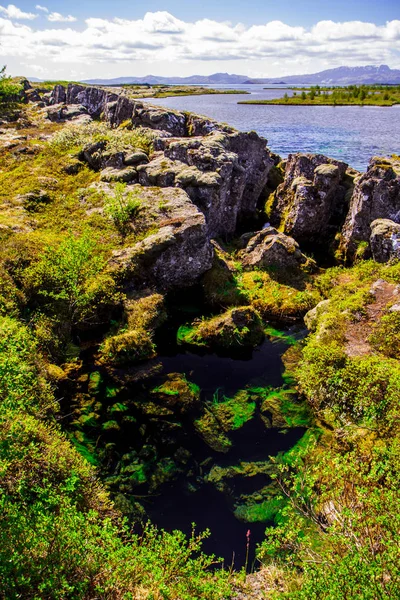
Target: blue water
[(350, 133)]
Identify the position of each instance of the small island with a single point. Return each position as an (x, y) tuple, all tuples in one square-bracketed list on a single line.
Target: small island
[(358, 95)]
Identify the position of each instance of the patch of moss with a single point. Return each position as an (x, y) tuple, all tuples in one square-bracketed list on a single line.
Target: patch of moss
[(274, 300)]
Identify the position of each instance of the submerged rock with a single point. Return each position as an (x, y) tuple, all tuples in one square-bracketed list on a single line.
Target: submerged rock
[(177, 393), (376, 196), (309, 203)]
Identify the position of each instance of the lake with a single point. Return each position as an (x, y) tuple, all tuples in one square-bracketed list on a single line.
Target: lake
[(350, 133)]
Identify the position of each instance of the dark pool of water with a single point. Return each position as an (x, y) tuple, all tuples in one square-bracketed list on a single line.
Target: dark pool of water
[(176, 507), (350, 133)]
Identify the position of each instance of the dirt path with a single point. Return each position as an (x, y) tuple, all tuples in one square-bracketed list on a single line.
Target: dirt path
[(358, 332)]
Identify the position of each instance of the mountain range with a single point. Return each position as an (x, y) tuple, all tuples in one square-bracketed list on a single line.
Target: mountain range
[(339, 76)]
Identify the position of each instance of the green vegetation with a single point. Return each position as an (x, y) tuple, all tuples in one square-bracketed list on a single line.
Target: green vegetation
[(338, 96), (89, 426), (277, 300), (9, 88), (337, 535), (122, 207)]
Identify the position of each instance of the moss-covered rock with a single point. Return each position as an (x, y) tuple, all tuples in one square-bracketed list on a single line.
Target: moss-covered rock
[(134, 341), (127, 347), (177, 393), (269, 248), (224, 415), (236, 328)]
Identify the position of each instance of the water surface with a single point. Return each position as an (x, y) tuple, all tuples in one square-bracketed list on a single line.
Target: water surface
[(350, 133)]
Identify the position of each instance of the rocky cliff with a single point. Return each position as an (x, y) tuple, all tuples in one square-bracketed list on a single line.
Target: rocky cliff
[(222, 174), (222, 170)]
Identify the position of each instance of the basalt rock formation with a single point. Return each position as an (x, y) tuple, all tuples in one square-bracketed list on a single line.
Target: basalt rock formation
[(376, 196), (222, 170), (310, 202), (385, 240)]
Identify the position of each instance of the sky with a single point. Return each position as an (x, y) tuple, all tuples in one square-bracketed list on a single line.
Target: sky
[(85, 39)]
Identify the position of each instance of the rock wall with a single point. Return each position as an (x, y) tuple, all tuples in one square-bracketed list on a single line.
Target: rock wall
[(222, 170), (311, 198), (376, 196)]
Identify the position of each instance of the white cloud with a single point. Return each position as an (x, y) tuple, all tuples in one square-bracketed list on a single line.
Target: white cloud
[(12, 12), (159, 40), (42, 8), (56, 17)]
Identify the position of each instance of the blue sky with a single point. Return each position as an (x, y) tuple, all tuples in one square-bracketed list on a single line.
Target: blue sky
[(300, 12), (80, 39)]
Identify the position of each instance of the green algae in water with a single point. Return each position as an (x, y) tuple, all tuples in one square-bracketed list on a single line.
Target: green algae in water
[(280, 336), (187, 334), (261, 512), (118, 407), (110, 425), (95, 381)]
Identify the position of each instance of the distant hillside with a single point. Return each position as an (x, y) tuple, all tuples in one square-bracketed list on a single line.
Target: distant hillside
[(217, 78), (341, 76)]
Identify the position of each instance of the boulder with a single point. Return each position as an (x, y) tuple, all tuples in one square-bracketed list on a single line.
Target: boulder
[(269, 248), (311, 201), (311, 318), (65, 112), (385, 240), (223, 174), (177, 254), (239, 327), (32, 95), (93, 99), (376, 196), (126, 175)]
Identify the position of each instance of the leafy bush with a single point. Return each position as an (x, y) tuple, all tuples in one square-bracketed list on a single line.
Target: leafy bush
[(70, 282), (8, 88), (122, 207)]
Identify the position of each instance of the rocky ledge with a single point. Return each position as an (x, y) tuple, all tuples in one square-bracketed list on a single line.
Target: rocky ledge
[(222, 170), (200, 180)]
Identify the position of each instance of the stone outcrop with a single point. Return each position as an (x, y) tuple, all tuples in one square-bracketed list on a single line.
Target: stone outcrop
[(177, 253), (58, 95), (269, 248), (239, 327), (385, 240), (376, 196), (66, 112), (223, 174), (222, 170), (311, 201)]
